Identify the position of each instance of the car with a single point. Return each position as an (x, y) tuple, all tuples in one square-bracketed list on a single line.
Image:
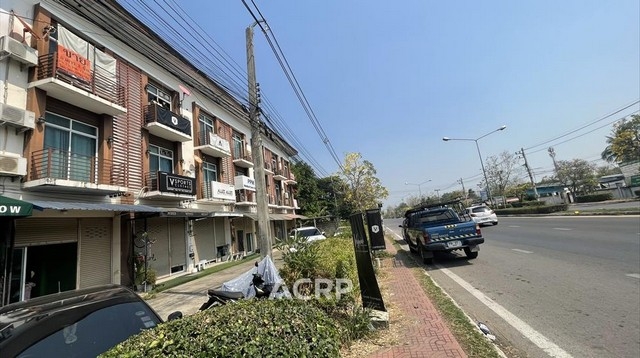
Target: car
[(341, 230), (482, 214), (77, 323), (312, 233)]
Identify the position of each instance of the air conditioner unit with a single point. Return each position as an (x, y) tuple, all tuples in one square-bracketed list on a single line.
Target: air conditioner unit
[(13, 165), (17, 116), (18, 51)]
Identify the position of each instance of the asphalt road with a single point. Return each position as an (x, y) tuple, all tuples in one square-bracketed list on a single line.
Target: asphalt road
[(552, 286)]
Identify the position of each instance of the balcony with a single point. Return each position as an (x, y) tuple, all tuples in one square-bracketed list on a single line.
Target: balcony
[(211, 144), (163, 123), (164, 185), (280, 175), (268, 168), (97, 91), (65, 172), (245, 198), (244, 161), (291, 180), (219, 192)]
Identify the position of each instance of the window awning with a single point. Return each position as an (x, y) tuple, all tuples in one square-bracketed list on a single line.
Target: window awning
[(14, 207), (296, 216), (279, 217), (64, 205), (184, 213)]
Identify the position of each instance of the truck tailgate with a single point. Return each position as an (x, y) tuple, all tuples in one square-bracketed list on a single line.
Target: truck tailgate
[(452, 232)]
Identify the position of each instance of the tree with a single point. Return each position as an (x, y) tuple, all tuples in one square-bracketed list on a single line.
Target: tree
[(578, 174), (623, 145), (363, 190), (333, 190), (502, 171), (310, 198), (605, 170)]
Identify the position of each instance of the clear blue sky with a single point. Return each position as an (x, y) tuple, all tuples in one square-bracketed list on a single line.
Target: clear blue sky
[(389, 79)]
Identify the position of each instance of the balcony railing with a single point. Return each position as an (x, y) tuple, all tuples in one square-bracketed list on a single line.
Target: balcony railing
[(158, 114), (98, 83), (57, 164), (212, 144)]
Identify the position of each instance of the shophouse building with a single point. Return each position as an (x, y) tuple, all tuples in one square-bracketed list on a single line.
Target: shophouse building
[(125, 149)]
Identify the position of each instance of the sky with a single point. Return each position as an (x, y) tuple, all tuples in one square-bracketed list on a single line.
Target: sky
[(389, 79)]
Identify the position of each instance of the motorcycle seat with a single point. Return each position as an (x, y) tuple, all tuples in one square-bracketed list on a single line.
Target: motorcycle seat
[(226, 294)]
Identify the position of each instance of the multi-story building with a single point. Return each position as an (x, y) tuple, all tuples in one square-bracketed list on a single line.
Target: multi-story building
[(125, 148)]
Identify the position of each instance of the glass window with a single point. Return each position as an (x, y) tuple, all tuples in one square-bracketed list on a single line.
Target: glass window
[(70, 149), (210, 173), (238, 145), (159, 96), (207, 125), (160, 159)]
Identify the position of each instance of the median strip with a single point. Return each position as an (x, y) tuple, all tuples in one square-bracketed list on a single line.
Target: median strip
[(523, 251)]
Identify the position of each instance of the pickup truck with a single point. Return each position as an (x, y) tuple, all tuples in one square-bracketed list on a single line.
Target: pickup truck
[(441, 227)]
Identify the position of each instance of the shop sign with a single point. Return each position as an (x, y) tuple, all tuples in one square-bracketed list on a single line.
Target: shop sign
[(176, 183), (222, 191)]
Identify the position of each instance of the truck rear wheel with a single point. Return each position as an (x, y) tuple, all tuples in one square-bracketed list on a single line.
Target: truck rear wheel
[(470, 254), (425, 260)]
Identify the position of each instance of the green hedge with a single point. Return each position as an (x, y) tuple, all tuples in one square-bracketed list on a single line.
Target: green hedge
[(536, 209), (594, 198), (528, 203), (251, 328)]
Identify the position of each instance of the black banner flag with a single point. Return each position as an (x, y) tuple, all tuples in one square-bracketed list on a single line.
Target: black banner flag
[(371, 296), (376, 232)]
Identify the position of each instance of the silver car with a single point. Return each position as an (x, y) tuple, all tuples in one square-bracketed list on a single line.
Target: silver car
[(482, 214)]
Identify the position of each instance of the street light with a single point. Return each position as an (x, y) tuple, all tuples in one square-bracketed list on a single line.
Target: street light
[(419, 185), (486, 181)]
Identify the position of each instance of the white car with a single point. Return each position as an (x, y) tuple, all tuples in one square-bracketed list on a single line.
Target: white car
[(482, 214), (312, 233)]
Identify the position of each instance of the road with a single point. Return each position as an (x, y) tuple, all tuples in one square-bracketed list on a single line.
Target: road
[(552, 286)]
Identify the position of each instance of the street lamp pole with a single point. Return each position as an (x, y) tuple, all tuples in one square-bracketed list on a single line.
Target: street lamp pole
[(419, 186), (484, 172)]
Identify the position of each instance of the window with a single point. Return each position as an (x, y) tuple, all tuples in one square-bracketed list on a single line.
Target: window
[(159, 96), (207, 125), (238, 145), (70, 149), (210, 173), (160, 159)]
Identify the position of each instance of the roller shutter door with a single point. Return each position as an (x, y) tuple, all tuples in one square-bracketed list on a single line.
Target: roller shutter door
[(220, 232), (204, 239), (45, 231), (178, 245), (95, 252), (158, 229)]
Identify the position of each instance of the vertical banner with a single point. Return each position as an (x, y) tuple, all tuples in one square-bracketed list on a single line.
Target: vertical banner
[(376, 232), (371, 296)]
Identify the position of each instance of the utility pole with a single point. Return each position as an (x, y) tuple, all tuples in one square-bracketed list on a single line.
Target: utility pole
[(264, 240), (526, 165), (464, 192)]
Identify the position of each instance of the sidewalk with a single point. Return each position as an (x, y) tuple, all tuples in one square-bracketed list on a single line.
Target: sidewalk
[(429, 335)]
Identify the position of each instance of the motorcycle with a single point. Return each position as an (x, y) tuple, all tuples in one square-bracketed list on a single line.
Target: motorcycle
[(237, 289)]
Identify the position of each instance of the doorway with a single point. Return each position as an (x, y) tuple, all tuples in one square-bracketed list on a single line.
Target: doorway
[(240, 235), (43, 270)]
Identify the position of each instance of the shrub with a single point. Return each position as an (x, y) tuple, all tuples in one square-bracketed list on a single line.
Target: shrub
[(537, 209), (251, 328), (594, 198)]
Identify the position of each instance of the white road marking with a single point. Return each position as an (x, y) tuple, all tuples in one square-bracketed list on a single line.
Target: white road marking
[(534, 336), (514, 225), (523, 251), (634, 275), (562, 228)]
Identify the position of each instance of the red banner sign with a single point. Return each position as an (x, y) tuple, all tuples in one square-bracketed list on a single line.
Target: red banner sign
[(74, 64)]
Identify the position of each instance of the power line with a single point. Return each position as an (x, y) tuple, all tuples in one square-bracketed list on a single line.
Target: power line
[(585, 126)]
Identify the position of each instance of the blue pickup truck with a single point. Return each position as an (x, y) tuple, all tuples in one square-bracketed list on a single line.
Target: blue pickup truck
[(441, 227)]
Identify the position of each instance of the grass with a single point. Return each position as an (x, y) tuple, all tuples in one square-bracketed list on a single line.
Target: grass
[(187, 278), (473, 342)]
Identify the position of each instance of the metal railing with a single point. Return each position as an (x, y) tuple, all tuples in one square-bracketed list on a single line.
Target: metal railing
[(58, 164), (98, 84)]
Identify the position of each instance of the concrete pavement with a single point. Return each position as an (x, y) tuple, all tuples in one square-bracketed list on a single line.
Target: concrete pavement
[(189, 296)]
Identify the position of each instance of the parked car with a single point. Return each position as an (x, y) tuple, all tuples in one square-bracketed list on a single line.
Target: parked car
[(441, 227), (482, 214), (312, 233), (79, 323)]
